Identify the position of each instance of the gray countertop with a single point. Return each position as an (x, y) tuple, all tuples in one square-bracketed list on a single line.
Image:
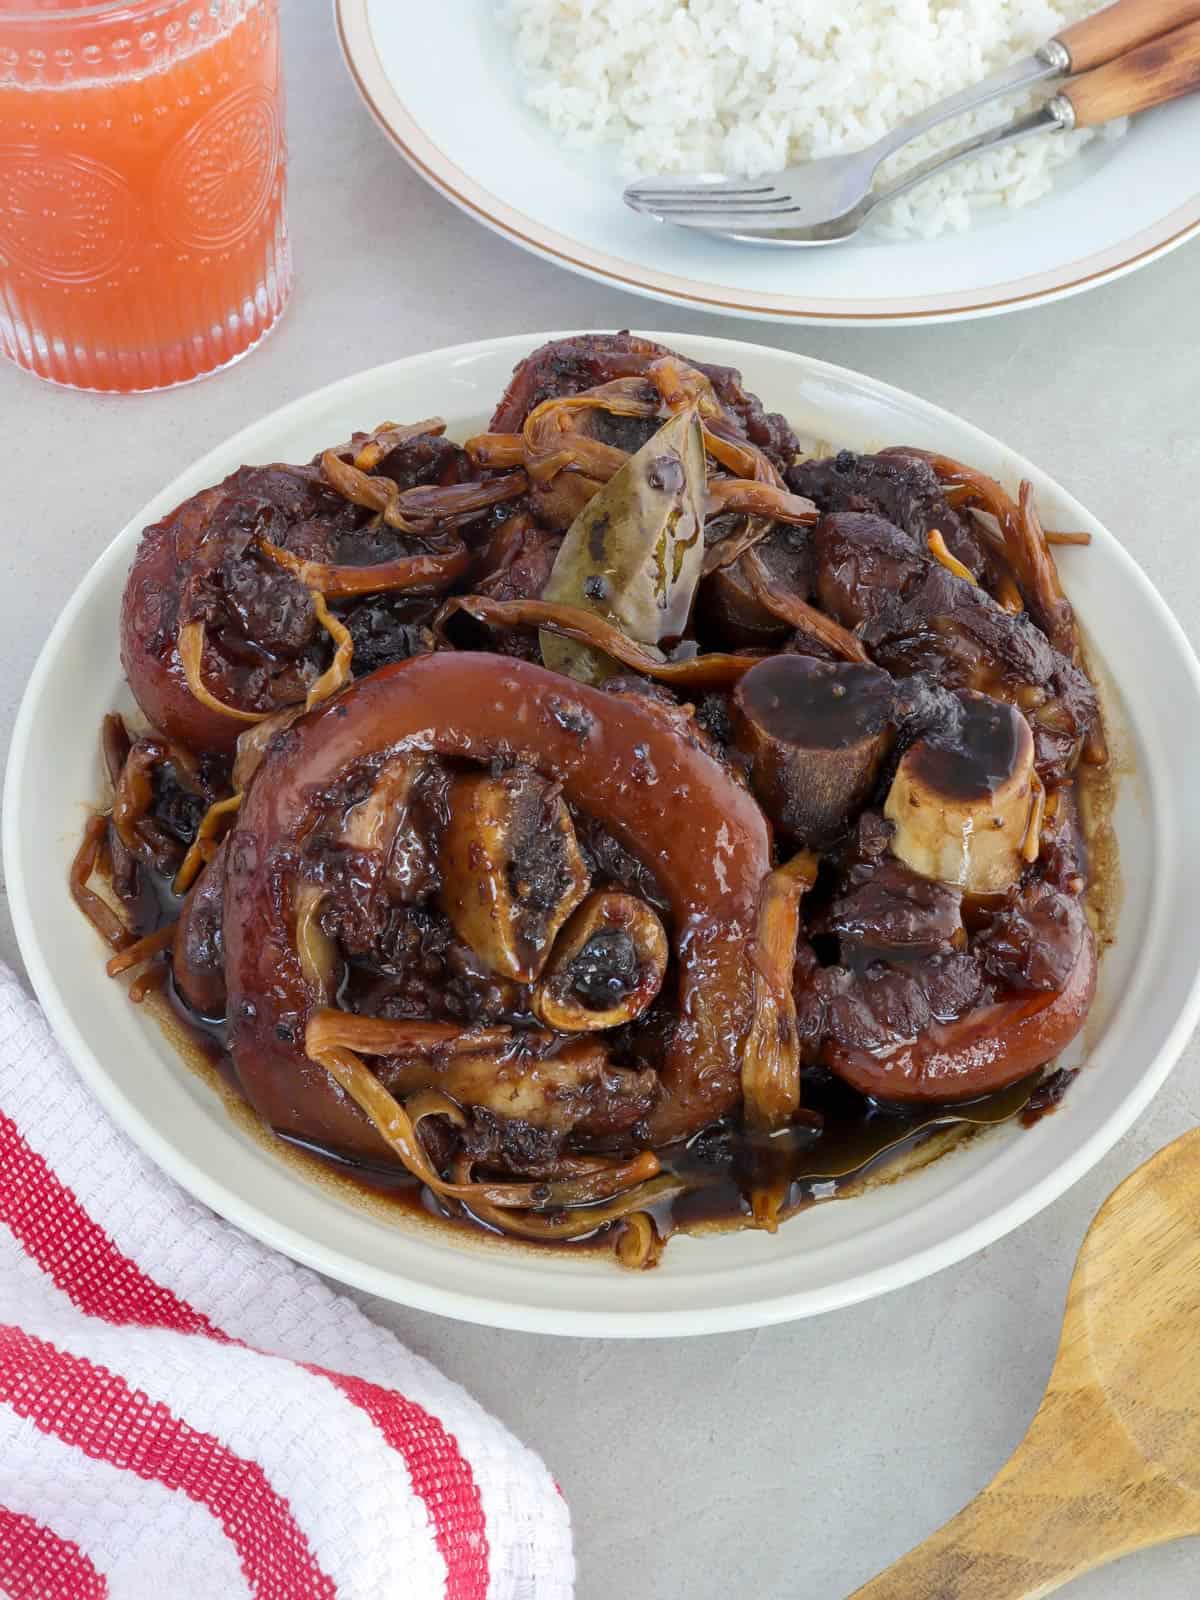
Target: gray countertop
[(799, 1460)]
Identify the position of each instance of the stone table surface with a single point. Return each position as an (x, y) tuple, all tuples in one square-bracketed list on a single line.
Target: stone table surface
[(798, 1460)]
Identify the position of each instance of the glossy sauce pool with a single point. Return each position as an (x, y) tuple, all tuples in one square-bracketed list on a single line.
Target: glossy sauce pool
[(858, 1144), (861, 1144)]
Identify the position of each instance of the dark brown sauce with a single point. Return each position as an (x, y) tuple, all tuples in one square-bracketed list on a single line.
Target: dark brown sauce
[(820, 705), (845, 1142), (1048, 1096), (979, 757), (843, 1137), (724, 1166)]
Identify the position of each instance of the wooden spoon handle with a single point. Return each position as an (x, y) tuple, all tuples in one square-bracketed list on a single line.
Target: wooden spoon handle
[(1075, 1495), (1118, 28), (1152, 74)]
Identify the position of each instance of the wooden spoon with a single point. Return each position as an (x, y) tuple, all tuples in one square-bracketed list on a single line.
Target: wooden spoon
[(1111, 1462)]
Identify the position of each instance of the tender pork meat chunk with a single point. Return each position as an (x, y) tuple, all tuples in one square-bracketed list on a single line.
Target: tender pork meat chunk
[(623, 433), (530, 1102), (917, 619), (429, 458), (956, 632), (729, 616), (904, 490), (263, 647), (862, 563), (901, 947), (569, 366), (787, 554), (295, 507), (268, 606), (1033, 943), (887, 911), (226, 586), (513, 563), (386, 628), (914, 615), (516, 561), (472, 993), (885, 1005), (274, 498), (355, 911), (596, 1103), (509, 1144), (291, 506), (418, 969), (361, 547), (939, 620)]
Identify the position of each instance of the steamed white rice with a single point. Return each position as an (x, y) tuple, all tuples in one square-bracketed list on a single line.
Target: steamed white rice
[(748, 86)]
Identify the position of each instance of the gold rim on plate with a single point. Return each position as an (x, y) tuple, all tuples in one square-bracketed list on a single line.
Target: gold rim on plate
[(367, 70)]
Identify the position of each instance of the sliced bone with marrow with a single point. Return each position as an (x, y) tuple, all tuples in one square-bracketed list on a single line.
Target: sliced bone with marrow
[(965, 800), (816, 734), (607, 966), (511, 869)]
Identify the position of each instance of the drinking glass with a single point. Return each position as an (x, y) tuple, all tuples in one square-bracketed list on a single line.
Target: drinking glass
[(143, 236)]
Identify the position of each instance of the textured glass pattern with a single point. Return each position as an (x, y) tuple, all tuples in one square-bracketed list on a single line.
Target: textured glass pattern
[(143, 235)]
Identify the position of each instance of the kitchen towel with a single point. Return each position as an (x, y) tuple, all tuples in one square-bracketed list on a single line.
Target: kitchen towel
[(184, 1413)]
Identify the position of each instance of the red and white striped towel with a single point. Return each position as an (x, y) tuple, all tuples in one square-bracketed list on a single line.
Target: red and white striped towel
[(184, 1414)]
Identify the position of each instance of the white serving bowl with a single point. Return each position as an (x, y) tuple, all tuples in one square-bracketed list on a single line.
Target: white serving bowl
[(832, 1255)]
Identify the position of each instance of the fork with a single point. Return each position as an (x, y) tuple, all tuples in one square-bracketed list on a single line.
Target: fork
[(1128, 64)]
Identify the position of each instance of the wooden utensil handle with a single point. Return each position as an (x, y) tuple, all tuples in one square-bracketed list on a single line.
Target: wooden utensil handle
[(1162, 70), (1060, 1506), (970, 1559), (1118, 28)]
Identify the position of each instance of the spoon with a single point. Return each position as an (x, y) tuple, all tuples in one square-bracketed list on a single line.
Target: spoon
[(1111, 1461)]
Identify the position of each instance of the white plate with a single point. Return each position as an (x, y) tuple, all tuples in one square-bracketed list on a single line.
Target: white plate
[(830, 1256), (453, 108)]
